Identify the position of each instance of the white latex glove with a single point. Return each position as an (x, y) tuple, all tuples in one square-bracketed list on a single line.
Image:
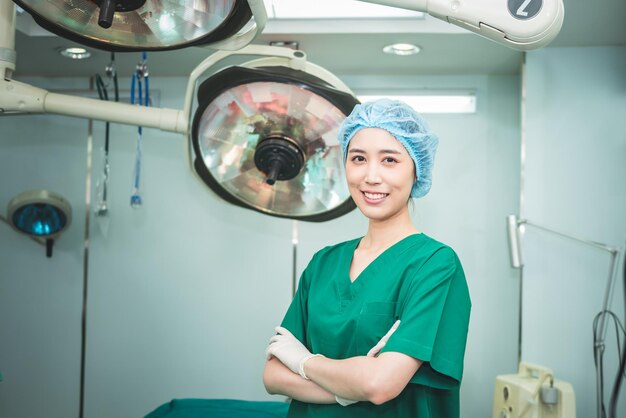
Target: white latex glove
[(289, 350), (372, 353), (343, 401)]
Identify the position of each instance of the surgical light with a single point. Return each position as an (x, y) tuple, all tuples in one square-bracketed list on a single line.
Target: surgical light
[(519, 24), (264, 134), (265, 138), (143, 25), (40, 214)]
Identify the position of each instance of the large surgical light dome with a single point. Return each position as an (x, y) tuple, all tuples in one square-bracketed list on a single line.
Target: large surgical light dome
[(140, 25), (266, 139)]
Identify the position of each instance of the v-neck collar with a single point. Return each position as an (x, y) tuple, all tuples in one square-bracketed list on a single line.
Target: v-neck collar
[(349, 288)]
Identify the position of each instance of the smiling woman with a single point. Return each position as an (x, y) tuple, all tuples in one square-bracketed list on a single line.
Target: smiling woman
[(378, 325), (380, 174)]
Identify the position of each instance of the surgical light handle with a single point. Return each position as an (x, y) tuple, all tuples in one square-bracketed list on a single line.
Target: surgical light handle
[(522, 25)]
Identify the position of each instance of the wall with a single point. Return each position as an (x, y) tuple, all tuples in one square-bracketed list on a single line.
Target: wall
[(40, 298), (184, 292), (574, 182)]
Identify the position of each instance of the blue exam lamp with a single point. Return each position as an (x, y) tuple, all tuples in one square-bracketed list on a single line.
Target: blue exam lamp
[(40, 214)]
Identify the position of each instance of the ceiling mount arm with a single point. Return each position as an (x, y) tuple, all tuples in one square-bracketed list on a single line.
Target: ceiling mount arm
[(7, 39), (249, 32), (529, 25), (17, 97)]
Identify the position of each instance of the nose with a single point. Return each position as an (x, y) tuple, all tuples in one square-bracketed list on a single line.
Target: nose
[(372, 174)]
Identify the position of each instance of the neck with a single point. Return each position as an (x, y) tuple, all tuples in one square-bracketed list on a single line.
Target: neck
[(382, 234)]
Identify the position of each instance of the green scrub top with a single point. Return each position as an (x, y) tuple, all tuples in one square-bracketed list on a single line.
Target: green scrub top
[(417, 280)]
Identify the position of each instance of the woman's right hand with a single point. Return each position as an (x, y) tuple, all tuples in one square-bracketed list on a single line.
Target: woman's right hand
[(289, 350)]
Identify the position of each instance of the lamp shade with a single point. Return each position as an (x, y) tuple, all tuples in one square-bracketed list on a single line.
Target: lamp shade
[(266, 139), (140, 25), (39, 213)]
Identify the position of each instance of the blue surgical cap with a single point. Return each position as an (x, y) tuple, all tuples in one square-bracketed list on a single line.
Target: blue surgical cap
[(406, 125)]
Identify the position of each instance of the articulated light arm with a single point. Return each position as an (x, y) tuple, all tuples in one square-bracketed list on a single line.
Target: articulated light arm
[(17, 97), (518, 24), (249, 32), (7, 39), (531, 24)]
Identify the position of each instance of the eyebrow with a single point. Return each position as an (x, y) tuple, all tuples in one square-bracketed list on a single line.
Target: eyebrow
[(382, 151)]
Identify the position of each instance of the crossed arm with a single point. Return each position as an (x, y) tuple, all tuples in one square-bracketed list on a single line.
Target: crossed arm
[(363, 378), (280, 380)]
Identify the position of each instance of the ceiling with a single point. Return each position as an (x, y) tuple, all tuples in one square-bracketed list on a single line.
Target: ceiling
[(356, 46)]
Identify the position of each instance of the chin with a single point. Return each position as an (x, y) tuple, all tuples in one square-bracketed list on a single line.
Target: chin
[(376, 213)]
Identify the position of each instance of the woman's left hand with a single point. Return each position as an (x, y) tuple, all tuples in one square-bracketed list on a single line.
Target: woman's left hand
[(374, 351), (289, 350)]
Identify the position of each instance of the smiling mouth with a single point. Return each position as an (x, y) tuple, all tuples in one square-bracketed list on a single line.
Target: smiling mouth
[(375, 196)]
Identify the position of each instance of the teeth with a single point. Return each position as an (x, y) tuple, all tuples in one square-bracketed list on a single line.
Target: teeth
[(374, 196)]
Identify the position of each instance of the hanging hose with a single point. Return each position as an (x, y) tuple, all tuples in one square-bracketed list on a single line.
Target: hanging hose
[(102, 207), (621, 375), (140, 76)]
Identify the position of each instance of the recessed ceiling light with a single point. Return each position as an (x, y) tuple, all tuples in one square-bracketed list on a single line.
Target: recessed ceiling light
[(75, 53), (286, 44), (402, 49)]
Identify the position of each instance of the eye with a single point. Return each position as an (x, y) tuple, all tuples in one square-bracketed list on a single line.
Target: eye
[(358, 158), (390, 160)]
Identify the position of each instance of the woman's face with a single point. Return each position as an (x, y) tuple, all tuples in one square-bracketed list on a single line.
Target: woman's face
[(380, 174)]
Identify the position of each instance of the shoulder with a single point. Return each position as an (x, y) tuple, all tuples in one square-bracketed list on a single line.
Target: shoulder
[(427, 250), (433, 263), (335, 251)]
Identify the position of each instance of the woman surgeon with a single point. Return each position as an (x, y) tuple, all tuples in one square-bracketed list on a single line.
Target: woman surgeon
[(378, 325)]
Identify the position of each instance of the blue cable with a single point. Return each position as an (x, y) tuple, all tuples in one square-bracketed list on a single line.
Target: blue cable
[(139, 76), (132, 88)]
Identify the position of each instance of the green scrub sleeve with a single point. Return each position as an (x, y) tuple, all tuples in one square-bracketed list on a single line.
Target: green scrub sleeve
[(296, 318), (434, 319)]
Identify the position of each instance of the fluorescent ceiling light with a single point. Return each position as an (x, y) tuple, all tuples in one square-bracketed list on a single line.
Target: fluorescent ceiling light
[(434, 103), (75, 53), (333, 9)]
